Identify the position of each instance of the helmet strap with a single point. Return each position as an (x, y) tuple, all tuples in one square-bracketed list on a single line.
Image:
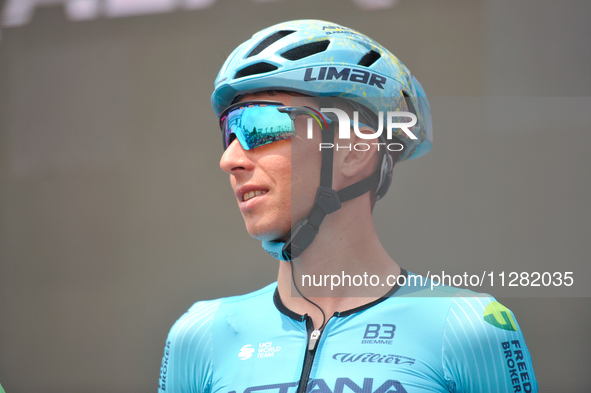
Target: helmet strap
[(327, 201)]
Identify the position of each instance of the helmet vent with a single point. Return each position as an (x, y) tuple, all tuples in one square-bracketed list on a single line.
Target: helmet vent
[(369, 58), (409, 103), (258, 68), (306, 50), (268, 41)]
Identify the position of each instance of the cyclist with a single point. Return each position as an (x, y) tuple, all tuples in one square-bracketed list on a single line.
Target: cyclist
[(314, 116)]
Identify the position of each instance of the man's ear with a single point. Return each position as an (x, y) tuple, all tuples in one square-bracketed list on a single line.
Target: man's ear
[(356, 158)]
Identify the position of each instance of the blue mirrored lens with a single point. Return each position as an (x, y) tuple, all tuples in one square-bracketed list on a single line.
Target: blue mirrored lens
[(256, 125)]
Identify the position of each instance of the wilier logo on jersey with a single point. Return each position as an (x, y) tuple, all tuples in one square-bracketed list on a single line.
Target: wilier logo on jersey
[(378, 334), (499, 316), (369, 357)]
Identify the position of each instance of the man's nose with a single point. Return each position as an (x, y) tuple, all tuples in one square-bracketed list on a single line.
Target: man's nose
[(235, 158)]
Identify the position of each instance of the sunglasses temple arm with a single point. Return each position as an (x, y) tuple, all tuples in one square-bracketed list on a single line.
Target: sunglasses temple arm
[(294, 112)]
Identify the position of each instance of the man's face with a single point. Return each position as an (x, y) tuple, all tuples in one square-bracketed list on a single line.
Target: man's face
[(263, 180)]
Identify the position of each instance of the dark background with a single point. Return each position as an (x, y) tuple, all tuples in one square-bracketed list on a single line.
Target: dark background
[(115, 217)]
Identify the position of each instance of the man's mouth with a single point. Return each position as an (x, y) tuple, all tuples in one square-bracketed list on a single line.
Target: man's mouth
[(252, 194)]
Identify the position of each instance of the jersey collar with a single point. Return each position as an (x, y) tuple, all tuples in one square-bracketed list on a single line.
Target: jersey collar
[(295, 316)]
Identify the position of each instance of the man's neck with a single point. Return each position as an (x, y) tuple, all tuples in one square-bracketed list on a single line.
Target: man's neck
[(345, 267)]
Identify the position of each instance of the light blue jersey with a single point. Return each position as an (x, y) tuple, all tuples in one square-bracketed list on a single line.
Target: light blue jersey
[(414, 340)]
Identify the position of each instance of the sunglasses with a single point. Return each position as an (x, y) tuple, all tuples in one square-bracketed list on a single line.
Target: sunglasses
[(257, 123)]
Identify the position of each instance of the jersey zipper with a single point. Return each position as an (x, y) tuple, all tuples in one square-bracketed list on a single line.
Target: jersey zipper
[(313, 338)]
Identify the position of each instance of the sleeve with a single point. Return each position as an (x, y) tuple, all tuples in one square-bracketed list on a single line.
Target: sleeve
[(187, 361), (484, 349)]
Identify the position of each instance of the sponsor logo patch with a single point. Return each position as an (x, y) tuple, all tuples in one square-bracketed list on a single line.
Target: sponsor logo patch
[(376, 333), (499, 316), (246, 352), (344, 74), (370, 357), (264, 350)]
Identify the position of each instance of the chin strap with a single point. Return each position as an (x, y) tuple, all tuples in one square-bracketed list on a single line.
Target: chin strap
[(327, 201), (275, 249)]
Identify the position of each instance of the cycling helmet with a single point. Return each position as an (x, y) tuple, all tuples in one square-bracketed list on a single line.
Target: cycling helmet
[(323, 59), (288, 56)]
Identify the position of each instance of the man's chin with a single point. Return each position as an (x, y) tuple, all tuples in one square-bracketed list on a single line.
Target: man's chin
[(269, 236)]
